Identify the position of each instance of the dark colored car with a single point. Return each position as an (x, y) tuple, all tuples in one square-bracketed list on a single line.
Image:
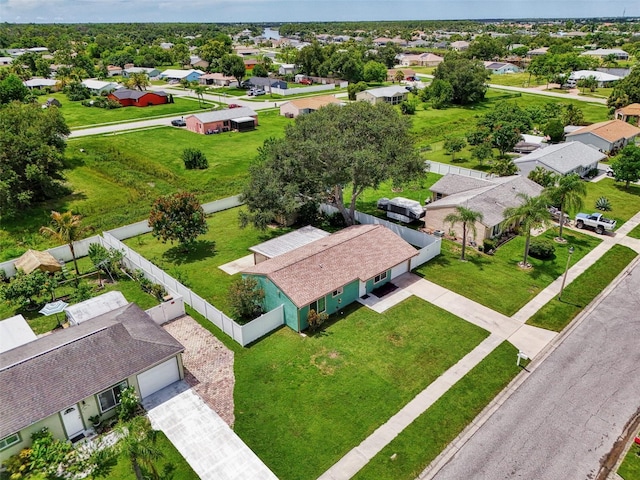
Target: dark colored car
[(178, 122), (233, 105)]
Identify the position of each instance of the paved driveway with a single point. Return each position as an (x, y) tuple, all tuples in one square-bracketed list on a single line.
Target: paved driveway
[(564, 419)]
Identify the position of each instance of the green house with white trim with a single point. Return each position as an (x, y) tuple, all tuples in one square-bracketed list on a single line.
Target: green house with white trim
[(331, 272)]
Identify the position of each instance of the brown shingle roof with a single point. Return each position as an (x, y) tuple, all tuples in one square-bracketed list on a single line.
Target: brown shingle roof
[(47, 375), (315, 102), (611, 130), (633, 109), (357, 252)]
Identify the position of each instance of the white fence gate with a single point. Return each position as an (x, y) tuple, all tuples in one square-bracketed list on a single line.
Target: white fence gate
[(444, 168)]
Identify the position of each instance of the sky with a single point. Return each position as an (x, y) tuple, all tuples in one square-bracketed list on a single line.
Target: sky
[(212, 11)]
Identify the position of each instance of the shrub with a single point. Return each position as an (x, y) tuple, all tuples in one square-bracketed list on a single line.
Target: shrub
[(194, 159), (128, 404), (541, 249), (488, 245), (603, 204), (408, 108), (315, 320), (246, 297)]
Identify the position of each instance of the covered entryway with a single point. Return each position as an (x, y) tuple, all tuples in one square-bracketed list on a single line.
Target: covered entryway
[(158, 377), (72, 421), (243, 124)]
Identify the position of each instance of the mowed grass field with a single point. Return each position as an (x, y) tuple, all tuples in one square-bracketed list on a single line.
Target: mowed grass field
[(77, 115), (118, 177)]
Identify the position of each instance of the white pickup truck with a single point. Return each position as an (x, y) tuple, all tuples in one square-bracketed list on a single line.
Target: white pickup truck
[(596, 221)]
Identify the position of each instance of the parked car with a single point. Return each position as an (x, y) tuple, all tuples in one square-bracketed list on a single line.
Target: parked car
[(256, 92), (178, 122), (596, 221), (609, 172), (306, 81), (233, 105)]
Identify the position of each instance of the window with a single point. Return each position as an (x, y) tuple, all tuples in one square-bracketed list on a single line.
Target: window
[(337, 292), (319, 305), (6, 442), (110, 398), (379, 278)]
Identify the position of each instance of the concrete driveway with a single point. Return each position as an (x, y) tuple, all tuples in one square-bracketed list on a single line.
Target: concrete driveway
[(565, 417)]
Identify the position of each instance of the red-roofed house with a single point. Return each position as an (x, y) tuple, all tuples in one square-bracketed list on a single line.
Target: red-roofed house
[(332, 272), (138, 98)]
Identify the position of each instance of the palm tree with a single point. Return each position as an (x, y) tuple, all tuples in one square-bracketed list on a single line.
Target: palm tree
[(138, 444), (532, 213), (468, 218), (66, 227), (399, 76), (567, 193), (199, 91)]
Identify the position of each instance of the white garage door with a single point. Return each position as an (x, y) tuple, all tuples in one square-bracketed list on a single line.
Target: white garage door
[(399, 270), (158, 377)]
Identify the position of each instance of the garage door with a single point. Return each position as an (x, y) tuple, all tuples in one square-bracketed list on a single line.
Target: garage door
[(158, 377), (399, 270)]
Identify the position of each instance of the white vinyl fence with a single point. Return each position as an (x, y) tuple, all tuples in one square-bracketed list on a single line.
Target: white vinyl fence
[(444, 168), (285, 92)]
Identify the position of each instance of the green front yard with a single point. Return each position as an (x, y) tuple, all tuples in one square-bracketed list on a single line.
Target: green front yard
[(635, 233), (431, 432), (557, 314), (301, 403), (77, 115), (485, 279), (625, 203), (630, 468)]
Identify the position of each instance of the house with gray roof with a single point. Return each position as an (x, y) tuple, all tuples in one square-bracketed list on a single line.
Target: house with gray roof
[(61, 380), (239, 119), (489, 196), (331, 272), (562, 159), (393, 95)]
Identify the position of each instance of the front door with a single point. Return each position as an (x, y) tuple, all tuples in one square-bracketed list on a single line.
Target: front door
[(72, 421)]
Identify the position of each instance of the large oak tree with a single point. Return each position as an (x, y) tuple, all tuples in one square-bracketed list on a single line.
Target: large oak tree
[(356, 146)]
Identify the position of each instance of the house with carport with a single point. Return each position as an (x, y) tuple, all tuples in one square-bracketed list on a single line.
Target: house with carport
[(138, 98), (172, 75), (562, 159), (392, 95), (608, 136), (489, 196), (230, 119), (331, 272), (60, 380), (303, 106)]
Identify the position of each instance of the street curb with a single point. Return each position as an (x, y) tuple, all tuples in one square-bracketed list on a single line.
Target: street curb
[(454, 446)]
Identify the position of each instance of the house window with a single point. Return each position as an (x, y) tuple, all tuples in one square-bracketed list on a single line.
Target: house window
[(496, 230), (379, 278), (318, 306), (337, 292), (6, 442), (110, 398)]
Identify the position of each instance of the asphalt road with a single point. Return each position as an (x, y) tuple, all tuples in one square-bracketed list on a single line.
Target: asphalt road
[(564, 419)]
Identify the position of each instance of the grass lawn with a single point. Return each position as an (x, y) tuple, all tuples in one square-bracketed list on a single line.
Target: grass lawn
[(521, 79), (431, 432), (301, 403), (77, 115), (625, 203), (556, 315), (199, 270), (172, 465), (635, 233), (630, 468), (485, 279), (118, 177)]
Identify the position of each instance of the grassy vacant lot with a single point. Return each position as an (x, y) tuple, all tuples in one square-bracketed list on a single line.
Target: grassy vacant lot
[(77, 115), (625, 203), (199, 270), (119, 176), (302, 403), (630, 468), (430, 433), (521, 79), (171, 465), (555, 315), (485, 279)]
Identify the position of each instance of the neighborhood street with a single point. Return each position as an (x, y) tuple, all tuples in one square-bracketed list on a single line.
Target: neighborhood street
[(565, 417)]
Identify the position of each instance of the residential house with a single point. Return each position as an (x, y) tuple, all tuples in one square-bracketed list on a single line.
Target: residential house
[(41, 83), (99, 87), (603, 79), (489, 196), (629, 114), (198, 63), (138, 98), (500, 68), (218, 79), (239, 119), (287, 69), (605, 52), (266, 83), (393, 95), (302, 106), (60, 380), (113, 70), (460, 45), (246, 51), (6, 61), (176, 75), (606, 136), (332, 272), (407, 74), (562, 159), (166, 45), (537, 51), (250, 63), (148, 71)]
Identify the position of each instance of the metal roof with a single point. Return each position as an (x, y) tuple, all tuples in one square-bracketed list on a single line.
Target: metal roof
[(226, 114), (15, 331), (94, 307), (289, 241), (563, 158)]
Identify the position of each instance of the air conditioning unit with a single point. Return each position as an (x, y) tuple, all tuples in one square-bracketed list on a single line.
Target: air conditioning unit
[(438, 233)]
